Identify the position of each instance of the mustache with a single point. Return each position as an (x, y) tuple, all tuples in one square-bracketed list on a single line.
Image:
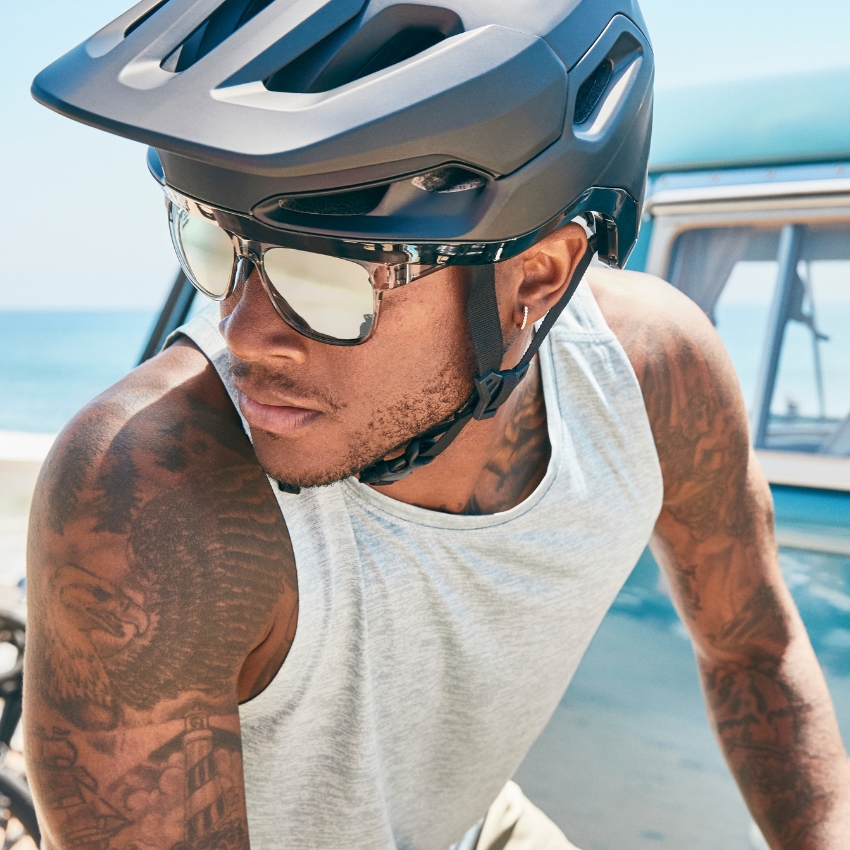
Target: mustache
[(284, 382)]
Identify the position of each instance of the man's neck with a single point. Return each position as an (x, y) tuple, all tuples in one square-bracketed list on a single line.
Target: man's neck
[(493, 465)]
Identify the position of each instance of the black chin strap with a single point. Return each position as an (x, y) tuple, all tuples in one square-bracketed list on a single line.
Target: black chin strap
[(492, 386)]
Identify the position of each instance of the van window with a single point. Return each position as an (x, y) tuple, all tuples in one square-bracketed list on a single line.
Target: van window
[(780, 299), (810, 407)]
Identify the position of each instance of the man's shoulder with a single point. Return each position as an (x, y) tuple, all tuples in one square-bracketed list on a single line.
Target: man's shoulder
[(155, 534), (639, 307), (690, 388), (660, 329), (165, 425)]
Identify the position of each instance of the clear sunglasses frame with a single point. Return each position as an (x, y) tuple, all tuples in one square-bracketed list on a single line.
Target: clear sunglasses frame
[(382, 276)]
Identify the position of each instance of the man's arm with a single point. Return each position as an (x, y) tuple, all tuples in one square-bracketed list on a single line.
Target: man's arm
[(161, 593), (765, 693)]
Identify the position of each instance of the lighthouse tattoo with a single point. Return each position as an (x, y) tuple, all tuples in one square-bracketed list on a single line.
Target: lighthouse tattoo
[(185, 796), (205, 804)]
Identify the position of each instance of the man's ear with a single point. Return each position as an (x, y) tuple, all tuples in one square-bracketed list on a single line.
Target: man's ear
[(547, 269)]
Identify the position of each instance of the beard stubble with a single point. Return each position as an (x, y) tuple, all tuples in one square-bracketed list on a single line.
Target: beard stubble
[(391, 426)]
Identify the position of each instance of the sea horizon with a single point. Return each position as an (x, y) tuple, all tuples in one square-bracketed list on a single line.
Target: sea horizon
[(53, 362)]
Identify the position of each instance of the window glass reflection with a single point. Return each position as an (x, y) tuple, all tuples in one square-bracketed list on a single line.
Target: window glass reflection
[(731, 273), (784, 316), (810, 408)]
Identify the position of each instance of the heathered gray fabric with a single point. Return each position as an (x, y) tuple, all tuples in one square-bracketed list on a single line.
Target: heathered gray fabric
[(432, 649)]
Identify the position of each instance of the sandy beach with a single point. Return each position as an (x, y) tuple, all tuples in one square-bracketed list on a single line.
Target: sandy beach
[(21, 457)]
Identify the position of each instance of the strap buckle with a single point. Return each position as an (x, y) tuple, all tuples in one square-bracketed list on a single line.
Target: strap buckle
[(495, 388)]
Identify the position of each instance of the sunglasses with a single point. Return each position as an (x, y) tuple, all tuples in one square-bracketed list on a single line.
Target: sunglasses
[(325, 298)]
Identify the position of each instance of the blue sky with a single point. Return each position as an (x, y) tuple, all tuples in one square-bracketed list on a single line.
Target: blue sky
[(83, 223)]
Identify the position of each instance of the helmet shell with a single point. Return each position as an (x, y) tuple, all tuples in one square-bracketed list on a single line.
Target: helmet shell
[(465, 123)]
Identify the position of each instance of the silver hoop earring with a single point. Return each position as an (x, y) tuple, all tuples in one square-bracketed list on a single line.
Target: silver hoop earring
[(524, 318)]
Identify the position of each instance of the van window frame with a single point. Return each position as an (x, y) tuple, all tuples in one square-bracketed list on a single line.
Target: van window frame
[(777, 205)]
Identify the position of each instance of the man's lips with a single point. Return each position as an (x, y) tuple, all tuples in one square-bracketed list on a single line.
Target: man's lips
[(275, 418)]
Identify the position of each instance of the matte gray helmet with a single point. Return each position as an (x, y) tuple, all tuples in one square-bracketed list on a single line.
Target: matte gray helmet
[(468, 130), (457, 134)]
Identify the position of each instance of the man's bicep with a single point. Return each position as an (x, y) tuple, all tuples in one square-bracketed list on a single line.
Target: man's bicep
[(125, 738), (714, 538), (725, 581), (155, 568)]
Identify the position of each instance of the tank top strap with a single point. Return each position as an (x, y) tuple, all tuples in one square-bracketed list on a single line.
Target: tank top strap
[(202, 329)]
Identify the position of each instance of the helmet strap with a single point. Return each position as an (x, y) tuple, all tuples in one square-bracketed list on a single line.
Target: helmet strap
[(493, 386)]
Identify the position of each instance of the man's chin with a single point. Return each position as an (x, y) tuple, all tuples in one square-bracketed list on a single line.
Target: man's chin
[(288, 468), (295, 476)]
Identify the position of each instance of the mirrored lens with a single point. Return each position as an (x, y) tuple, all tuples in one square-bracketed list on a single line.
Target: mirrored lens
[(206, 252), (333, 297)]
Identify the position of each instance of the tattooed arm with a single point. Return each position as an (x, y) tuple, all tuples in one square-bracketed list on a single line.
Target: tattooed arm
[(714, 539), (162, 593)]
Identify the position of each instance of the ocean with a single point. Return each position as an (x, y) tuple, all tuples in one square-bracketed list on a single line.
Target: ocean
[(52, 363)]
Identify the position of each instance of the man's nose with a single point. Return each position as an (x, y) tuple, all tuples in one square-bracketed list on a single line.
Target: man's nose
[(250, 325)]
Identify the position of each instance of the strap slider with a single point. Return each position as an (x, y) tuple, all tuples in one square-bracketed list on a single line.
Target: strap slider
[(495, 388), (384, 472)]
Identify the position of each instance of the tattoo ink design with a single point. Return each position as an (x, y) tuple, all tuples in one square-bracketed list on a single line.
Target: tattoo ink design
[(165, 585), (518, 461), (702, 439), (118, 499), (184, 797), (766, 724), (83, 817), (188, 792), (203, 579), (70, 478), (770, 713), (688, 591), (199, 431), (205, 804)]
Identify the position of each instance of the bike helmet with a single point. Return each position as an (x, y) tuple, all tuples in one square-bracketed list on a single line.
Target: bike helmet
[(459, 133)]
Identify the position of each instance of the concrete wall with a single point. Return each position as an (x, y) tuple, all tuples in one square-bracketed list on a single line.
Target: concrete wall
[(21, 457)]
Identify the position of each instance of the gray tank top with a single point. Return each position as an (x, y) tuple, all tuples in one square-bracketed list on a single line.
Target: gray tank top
[(431, 649)]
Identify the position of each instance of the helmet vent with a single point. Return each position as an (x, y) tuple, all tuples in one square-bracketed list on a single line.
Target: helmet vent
[(394, 35), (356, 202), (591, 90), (447, 180), (407, 44), (222, 23), (140, 20)]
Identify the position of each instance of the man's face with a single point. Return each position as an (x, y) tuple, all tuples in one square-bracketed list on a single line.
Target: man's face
[(320, 413)]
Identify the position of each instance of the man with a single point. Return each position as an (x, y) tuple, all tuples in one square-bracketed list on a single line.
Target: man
[(341, 618)]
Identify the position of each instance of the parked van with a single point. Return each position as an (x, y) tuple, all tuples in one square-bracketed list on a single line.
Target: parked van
[(748, 213)]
